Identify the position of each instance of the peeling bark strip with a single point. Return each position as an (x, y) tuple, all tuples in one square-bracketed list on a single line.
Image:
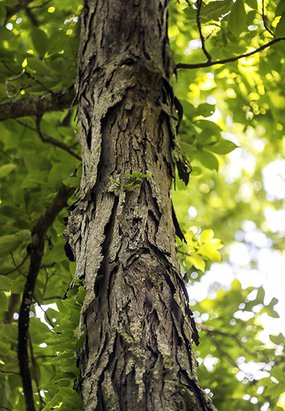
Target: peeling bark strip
[(138, 352)]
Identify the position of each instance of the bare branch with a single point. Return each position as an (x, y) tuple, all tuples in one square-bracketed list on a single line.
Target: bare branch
[(36, 250), (228, 60), (202, 38), (37, 105)]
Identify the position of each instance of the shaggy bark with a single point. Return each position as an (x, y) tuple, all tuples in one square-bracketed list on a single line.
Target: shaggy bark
[(138, 351)]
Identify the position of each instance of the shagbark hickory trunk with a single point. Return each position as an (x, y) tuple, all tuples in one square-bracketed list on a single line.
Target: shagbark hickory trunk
[(137, 353)]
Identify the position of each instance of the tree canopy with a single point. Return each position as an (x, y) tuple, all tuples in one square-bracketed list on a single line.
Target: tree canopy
[(228, 83)]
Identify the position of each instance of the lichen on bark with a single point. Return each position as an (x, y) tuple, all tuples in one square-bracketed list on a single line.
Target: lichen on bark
[(138, 351)]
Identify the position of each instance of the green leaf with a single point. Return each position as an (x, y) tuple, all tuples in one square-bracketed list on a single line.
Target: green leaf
[(236, 285), (260, 295), (272, 313), (212, 127), (9, 243), (280, 10), (208, 159), (215, 9), (37, 65), (277, 339), (40, 41), (280, 28), (57, 42), (7, 169), (72, 181), (222, 147), (196, 171), (197, 261), (205, 109), (210, 252), (188, 109), (206, 236), (252, 4), (237, 18), (273, 302)]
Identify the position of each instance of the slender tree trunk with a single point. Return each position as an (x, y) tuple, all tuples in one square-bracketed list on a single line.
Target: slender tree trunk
[(137, 353)]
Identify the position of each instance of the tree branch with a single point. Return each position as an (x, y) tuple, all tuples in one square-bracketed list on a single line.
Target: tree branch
[(35, 372), (36, 250), (265, 20), (228, 60), (17, 266), (31, 17), (53, 141), (202, 38), (37, 105), (22, 5)]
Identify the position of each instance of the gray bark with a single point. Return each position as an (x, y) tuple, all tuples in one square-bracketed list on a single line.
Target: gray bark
[(36, 105), (137, 353)]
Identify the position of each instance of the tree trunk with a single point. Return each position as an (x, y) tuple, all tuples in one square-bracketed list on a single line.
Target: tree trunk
[(137, 353)]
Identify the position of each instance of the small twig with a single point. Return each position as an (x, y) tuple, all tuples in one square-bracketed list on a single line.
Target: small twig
[(23, 86), (45, 313), (53, 141), (199, 25), (17, 267), (9, 372), (32, 77), (228, 60), (265, 20)]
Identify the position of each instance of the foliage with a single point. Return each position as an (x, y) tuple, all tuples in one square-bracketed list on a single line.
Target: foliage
[(232, 131)]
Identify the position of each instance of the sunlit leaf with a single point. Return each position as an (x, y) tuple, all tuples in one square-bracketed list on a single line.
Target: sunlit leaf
[(237, 18), (222, 147), (280, 29), (208, 159)]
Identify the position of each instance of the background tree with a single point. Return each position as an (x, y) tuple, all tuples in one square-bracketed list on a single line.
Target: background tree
[(211, 40)]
